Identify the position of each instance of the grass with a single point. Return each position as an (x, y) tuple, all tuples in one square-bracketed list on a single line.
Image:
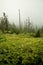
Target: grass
[(21, 49)]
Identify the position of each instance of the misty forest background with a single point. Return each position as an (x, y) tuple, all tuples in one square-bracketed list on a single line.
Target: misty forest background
[(28, 27), (22, 44)]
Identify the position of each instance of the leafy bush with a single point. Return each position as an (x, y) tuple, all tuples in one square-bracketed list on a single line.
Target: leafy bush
[(21, 50), (37, 34), (2, 38)]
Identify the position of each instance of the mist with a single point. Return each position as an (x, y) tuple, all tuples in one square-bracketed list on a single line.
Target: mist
[(28, 8)]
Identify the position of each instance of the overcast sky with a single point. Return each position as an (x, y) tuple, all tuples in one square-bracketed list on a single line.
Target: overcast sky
[(28, 8)]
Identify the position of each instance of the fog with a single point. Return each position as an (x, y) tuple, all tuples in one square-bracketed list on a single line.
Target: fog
[(28, 8)]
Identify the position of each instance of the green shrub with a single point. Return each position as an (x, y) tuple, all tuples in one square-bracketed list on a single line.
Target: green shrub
[(2, 38), (37, 34)]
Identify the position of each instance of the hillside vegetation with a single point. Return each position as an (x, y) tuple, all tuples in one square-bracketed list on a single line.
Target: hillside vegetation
[(21, 49), (20, 45)]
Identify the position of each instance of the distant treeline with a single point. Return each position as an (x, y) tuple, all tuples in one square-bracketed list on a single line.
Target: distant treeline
[(7, 27)]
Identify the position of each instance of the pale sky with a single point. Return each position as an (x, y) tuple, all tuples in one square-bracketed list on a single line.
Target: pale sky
[(28, 8)]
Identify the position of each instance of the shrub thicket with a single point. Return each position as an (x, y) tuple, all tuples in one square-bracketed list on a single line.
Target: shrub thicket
[(37, 33)]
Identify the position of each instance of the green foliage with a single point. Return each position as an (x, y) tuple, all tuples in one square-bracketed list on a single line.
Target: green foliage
[(4, 23), (2, 38), (2, 27), (38, 34), (21, 50)]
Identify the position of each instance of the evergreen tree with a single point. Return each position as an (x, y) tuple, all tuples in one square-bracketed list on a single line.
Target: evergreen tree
[(5, 22)]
